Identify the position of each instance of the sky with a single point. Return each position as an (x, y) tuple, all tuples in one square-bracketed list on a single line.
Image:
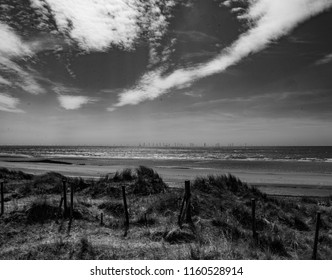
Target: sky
[(124, 72)]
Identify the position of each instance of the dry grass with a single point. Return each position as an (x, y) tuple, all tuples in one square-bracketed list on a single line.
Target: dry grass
[(221, 207)]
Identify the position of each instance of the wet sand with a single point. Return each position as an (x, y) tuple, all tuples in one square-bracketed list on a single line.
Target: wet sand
[(277, 178)]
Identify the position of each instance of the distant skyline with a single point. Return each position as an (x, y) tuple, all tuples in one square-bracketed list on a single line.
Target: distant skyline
[(113, 72)]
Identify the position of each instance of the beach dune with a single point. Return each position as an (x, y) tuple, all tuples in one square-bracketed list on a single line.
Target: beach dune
[(276, 178)]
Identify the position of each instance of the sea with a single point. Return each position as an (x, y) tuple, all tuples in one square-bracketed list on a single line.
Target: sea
[(247, 153)]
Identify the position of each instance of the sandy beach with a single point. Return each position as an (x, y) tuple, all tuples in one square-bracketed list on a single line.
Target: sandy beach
[(275, 178)]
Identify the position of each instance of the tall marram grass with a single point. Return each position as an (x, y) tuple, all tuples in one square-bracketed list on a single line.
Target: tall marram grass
[(221, 215)]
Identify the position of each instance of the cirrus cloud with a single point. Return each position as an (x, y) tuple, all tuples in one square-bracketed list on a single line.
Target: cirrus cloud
[(12, 48), (326, 59), (9, 103), (268, 20)]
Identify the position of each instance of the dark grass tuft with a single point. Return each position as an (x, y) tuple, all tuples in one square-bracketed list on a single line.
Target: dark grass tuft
[(124, 175), (165, 203), (85, 250), (145, 220), (40, 211), (14, 175), (179, 236), (197, 252), (300, 224), (242, 214), (273, 243), (103, 188), (79, 184), (148, 182), (23, 190), (48, 183), (230, 230), (114, 208), (218, 184)]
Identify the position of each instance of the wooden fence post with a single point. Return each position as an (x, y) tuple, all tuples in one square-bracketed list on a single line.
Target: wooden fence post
[(188, 204), (145, 219), (64, 185), (71, 201), (125, 209), (101, 219), (253, 213), (2, 198), (314, 253), (60, 206), (181, 210)]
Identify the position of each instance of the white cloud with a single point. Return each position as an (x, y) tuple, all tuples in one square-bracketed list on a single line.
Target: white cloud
[(192, 94), (326, 59), (227, 3), (11, 44), (9, 103), (237, 10), (73, 102), (21, 78), (11, 48), (69, 101), (97, 25), (111, 109), (270, 19)]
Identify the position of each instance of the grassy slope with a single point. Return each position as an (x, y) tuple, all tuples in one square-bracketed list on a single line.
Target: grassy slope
[(34, 228)]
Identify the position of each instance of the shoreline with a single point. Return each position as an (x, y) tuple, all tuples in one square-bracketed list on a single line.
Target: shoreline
[(273, 178)]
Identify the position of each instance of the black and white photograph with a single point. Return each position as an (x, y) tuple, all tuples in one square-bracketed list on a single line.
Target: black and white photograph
[(166, 130)]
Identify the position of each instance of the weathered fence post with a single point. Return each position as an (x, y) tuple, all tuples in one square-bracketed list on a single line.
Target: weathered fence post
[(101, 219), (2, 198), (314, 253), (64, 185), (60, 208), (71, 201), (145, 219), (253, 213), (125, 209), (181, 210), (185, 211), (188, 204)]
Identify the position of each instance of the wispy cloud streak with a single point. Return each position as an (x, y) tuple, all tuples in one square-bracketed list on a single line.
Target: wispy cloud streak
[(11, 49), (9, 103), (269, 20), (326, 59)]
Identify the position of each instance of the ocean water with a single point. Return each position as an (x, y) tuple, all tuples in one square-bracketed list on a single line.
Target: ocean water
[(299, 154)]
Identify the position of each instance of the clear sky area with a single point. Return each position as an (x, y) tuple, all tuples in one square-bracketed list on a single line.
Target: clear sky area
[(112, 72)]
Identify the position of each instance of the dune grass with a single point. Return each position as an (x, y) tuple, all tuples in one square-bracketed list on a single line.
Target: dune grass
[(221, 207)]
